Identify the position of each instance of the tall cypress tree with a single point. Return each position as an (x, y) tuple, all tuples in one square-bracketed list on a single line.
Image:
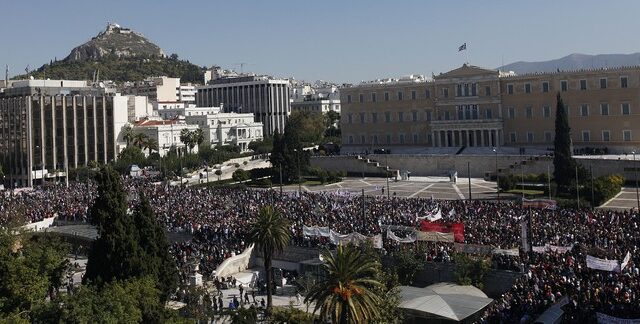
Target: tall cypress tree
[(115, 254), (157, 261), (563, 162)]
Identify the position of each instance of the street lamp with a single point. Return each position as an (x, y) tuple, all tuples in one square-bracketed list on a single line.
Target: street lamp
[(41, 161), (635, 172), (387, 171), (298, 167), (497, 177)]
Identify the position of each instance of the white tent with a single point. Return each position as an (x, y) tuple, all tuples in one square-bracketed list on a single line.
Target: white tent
[(443, 301)]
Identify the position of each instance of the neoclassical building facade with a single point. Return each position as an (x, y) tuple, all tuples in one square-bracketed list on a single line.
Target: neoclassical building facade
[(475, 107)]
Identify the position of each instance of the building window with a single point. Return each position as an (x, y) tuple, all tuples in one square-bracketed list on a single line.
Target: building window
[(414, 116), (400, 116), (361, 118), (350, 118), (361, 98), (474, 89), (626, 135), (528, 112), (386, 96), (624, 82), (487, 91), (413, 95), (606, 136), (604, 109), (387, 117), (586, 136), (547, 137), (529, 137), (583, 84), (626, 109), (428, 113), (446, 115), (375, 139), (511, 112), (374, 117), (545, 86), (399, 95), (373, 97), (363, 139), (546, 111), (584, 110), (348, 98), (427, 93), (350, 139), (459, 90), (603, 83), (401, 138), (488, 114), (564, 86), (527, 88), (388, 139), (445, 92), (513, 137), (415, 138), (510, 88)]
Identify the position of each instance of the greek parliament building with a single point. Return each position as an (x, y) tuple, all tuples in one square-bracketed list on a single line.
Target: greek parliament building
[(45, 135), (266, 98), (476, 107)]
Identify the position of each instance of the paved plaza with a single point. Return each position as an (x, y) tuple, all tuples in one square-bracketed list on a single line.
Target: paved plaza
[(425, 187), (625, 200)]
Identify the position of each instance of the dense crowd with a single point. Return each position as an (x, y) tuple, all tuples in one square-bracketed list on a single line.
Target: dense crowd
[(217, 220)]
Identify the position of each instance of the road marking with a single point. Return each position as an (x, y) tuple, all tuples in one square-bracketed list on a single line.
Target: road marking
[(421, 190), (368, 184), (455, 186), (608, 201)]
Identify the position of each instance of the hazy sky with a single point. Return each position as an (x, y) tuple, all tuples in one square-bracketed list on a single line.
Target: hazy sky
[(341, 40)]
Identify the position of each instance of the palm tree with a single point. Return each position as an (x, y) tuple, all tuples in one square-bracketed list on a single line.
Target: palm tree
[(198, 137), (139, 140), (271, 234), (186, 137), (346, 294), (151, 144), (127, 134)]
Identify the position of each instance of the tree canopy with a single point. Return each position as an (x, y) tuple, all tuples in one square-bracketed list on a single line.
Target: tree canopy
[(563, 162)]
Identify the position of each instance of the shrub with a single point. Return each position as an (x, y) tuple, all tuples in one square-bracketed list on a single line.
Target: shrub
[(241, 175), (604, 188)]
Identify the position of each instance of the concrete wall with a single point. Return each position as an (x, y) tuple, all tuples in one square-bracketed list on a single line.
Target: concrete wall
[(235, 264), (440, 165)]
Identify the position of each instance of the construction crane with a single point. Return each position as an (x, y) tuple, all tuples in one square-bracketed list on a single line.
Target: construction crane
[(241, 64)]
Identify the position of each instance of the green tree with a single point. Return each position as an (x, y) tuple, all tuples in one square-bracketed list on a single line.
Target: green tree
[(197, 138), (563, 162), (347, 293), (139, 140), (271, 234), (186, 137), (158, 262), (31, 268), (127, 134), (115, 254)]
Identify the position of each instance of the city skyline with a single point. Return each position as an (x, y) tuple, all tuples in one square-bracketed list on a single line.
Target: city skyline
[(329, 40)]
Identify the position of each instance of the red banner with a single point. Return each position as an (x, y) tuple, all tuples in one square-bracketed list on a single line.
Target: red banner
[(456, 228)]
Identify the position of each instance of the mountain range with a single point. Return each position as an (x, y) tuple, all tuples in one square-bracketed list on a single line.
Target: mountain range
[(574, 62)]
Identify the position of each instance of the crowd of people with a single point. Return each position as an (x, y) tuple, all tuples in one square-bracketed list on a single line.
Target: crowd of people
[(218, 218)]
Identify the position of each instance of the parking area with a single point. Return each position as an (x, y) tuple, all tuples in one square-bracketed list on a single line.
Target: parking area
[(626, 199), (426, 187)]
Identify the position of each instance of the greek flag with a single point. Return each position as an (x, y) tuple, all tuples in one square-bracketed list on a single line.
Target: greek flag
[(462, 47)]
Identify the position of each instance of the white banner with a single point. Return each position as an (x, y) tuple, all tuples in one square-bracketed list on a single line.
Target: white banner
[(409, 239), (539, 249), (626, 260), (431, 217), (524, 229), (316, 231), (602, 264), (553, 248), (606, 319), (434, 236), (511, 252)]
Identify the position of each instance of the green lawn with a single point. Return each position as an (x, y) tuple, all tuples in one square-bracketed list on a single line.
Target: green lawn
[(527, 192)]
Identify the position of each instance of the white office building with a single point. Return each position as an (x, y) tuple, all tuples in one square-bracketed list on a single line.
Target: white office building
[(264, 97), (166, 133), (225, 128)]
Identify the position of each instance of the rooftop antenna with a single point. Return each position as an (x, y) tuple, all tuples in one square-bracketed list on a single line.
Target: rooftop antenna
[(242, 64), (6, 75)]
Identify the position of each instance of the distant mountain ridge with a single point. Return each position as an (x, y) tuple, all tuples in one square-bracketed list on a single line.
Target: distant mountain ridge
[(574, 62), (118, 54)]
